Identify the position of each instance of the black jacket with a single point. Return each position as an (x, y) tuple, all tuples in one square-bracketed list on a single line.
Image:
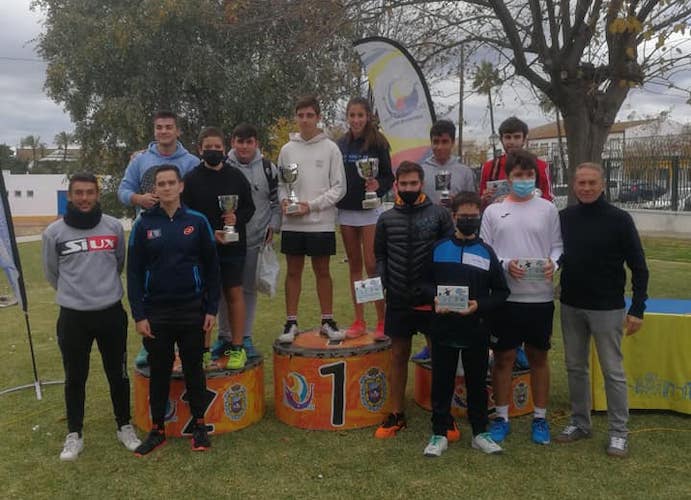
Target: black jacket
[(403, 243), (355, 191), (598, 239), (474, 264), (202, 188)]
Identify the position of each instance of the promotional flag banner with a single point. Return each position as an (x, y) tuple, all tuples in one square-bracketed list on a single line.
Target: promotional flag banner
[(9, 260), (401, 97)]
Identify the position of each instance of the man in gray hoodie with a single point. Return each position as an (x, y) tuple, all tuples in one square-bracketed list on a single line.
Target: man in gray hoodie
[(263, 178), (83, 256)]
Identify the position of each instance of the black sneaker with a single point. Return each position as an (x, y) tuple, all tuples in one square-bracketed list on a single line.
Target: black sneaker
[(155, 439), (200, 438), (330, 329)]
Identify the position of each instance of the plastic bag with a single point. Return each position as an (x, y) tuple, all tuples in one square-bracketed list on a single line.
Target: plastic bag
[(267, 270)]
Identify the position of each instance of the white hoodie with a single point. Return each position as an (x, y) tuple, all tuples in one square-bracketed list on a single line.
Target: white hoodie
[(321, 182)]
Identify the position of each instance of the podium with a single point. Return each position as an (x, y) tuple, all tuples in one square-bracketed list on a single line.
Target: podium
[(235, 399), (324, 385), (521, 402)]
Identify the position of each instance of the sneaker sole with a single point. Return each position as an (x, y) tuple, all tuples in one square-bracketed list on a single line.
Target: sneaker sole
[(388, 435), (140, 455), (476, 447), (200, 448), (432, 455)]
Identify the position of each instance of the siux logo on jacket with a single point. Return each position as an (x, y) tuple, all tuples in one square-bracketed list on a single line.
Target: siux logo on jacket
[(90, 244)]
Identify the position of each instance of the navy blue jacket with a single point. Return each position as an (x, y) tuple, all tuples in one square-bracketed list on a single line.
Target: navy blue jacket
[(470, 263), (352, 152), (172, 261)]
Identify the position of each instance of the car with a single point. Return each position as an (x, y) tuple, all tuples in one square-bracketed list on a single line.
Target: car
[(639, 191)]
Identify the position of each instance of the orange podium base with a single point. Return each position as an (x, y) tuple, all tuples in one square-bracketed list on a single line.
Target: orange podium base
[(324, 385), (521, 396), (235, 399)]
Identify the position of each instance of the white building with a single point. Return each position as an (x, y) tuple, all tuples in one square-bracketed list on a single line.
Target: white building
[(36, 195)]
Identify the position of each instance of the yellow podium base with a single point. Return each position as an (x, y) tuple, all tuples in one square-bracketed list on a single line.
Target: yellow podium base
[(332, 386), (521, 396), (235, 399)]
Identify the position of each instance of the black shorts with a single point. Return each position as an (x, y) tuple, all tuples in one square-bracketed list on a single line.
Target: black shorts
[(405, 323), (313, 244), (519, 322), (232, 269)]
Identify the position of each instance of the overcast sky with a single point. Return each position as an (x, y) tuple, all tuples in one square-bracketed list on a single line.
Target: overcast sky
[(26, 110)]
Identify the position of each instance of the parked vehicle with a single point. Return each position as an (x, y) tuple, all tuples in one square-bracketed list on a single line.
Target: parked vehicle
[(640, 191)]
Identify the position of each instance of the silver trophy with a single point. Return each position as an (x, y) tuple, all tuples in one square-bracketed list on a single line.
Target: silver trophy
[(442, 184), (289, 174), (368, 168), (228, 204)]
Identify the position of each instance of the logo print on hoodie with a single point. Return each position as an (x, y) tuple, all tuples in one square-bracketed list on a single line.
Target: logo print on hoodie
[(188, 230)]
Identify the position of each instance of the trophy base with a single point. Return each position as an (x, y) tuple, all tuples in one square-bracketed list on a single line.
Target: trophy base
[(371, 203), (231, 237), (293, 208)]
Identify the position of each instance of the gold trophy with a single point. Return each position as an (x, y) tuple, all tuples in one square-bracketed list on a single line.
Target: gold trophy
[(228, 204), (368, 168)]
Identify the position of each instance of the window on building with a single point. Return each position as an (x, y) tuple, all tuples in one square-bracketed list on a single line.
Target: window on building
[(30, 193), (17, 194)]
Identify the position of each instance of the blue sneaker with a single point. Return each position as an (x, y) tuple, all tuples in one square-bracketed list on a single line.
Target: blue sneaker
[(218, 349), (521, 362), (540, 431), (423, 356), (499, 429), (142, 358), (250, 350)]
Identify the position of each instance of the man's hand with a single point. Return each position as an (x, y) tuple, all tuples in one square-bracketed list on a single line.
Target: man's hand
[(220, 237), (472, 307), (209, 322), (548, 269), (144, 328), (632, 324), (488, 195), (269, 239), (440, 310), (229, 218), (146, 200), (371, 185), (515, 271)]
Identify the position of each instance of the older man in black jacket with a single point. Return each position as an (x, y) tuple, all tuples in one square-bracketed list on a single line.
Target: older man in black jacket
[(403, 243)]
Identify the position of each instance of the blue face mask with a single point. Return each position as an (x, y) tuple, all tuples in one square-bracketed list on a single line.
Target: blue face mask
[(523, 187)]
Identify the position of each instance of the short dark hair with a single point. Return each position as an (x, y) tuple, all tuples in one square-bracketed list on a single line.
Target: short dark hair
[(512, 125), (82, 177), (167, 168), (244, 131), (210, 132), (521, 159), (409, 167), (164, 113), (308, 101), (441, 127), (466, 198)]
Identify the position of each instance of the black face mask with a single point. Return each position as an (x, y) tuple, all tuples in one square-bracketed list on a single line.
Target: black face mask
[(212, 157), (468, 226), (409, 197)]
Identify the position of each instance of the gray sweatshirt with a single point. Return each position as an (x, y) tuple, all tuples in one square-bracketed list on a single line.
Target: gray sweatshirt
[(462, 178), (267, 212), (84, 265)]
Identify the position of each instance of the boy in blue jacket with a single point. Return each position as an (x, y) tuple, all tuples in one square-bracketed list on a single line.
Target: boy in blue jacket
[(173, 288), (463, 260)]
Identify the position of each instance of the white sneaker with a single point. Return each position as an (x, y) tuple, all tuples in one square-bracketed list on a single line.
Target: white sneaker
[(618, 447), (436, 446), (330, 329), (290, 330), (485, 444), (128, 437), (72, 447)]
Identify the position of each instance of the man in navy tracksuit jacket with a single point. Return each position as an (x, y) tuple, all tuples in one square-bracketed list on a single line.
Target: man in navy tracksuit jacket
[(173, 288)]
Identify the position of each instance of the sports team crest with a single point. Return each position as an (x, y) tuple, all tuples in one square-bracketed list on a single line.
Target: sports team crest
[(373, 389), (235, 402), (520, 395)]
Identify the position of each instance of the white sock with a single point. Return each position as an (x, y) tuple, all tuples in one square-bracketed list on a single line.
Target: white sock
[(502, 412), (540, 412)]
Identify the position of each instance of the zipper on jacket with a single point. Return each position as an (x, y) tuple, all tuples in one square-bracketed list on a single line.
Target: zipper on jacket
[(147, 278), (197, 279)]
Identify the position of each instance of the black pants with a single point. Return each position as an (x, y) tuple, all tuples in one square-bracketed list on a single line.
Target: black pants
[(190, 340), (444, 363), (76, 333)]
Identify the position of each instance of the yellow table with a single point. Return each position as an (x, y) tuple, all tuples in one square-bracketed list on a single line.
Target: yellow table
[(657, 360)]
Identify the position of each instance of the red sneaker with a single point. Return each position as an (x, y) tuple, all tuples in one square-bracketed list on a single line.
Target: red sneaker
[(453, 434), (357, 329), (379, 335)]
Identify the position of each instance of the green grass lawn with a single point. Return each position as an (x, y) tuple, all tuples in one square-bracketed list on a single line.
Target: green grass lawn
[(271, 459)]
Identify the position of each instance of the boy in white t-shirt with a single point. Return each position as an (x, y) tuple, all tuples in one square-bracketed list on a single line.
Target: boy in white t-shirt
[(524, 232)]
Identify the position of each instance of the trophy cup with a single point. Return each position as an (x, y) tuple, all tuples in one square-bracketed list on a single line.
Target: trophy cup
[(229, 203), (289, 174), (368, 168), (442, 183)]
